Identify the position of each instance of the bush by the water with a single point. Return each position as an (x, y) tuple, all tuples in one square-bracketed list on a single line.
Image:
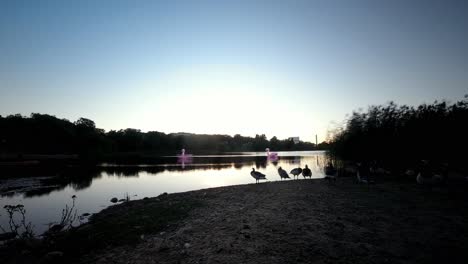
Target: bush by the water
[(397, 136)]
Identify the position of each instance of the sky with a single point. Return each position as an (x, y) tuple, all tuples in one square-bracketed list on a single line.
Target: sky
[(280, 68)]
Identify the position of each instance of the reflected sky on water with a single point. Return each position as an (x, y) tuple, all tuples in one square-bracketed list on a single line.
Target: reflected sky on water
[(95, 188)]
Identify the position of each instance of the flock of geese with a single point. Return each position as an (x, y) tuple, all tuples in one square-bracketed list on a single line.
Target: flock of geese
[(330, 173), (425, 175), (306, 172)]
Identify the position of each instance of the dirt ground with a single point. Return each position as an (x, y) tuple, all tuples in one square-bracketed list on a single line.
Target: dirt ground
[(311, 221)]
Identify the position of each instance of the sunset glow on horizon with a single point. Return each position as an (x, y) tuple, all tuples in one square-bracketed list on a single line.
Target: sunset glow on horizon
[(244, 67)]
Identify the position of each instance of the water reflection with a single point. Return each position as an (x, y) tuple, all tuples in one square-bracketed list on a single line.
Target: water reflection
[(81, 178), (94, 187)]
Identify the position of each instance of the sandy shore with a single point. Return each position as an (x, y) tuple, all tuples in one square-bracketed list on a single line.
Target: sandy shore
[(307, 221)]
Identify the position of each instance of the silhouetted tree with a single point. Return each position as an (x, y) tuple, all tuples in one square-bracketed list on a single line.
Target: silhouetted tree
[(400, 135), (46, 134)]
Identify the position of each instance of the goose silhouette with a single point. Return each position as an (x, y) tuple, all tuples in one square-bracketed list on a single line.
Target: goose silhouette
[(283, 174), (296, 172), (306, 172), (257, 175), (330, 172)]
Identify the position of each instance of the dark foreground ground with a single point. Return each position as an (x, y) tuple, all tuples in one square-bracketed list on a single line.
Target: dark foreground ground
[(301, 221)]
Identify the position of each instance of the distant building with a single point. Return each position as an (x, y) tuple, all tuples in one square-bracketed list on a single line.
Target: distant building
[(295, 139)]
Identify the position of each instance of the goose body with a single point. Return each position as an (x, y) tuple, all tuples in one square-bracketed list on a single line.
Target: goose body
[(296, 171), (330, 177), (430, 175), (283, 174), (435, 179), (306, 172), (410, 173), (363, 174), (362, 179), (257, 175), (330, 172)]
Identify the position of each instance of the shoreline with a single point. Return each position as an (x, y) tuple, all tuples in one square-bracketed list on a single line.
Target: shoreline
[(296, 221)]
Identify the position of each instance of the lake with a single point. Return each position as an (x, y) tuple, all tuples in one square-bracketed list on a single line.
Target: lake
[(95, 189)]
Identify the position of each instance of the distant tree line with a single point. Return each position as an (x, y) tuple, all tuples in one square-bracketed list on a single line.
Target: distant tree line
[(401, 135), (46, 134)]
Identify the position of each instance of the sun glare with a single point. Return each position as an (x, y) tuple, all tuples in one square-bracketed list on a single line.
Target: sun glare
[(224, 100)]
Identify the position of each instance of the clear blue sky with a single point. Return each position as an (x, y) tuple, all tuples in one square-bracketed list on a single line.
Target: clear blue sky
[(284, 68)]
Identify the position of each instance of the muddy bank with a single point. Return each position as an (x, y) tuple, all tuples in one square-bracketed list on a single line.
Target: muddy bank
[(301, 221), (311, 221)]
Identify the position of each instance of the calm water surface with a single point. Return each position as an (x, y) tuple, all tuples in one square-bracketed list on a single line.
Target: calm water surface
[(95, 190)]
